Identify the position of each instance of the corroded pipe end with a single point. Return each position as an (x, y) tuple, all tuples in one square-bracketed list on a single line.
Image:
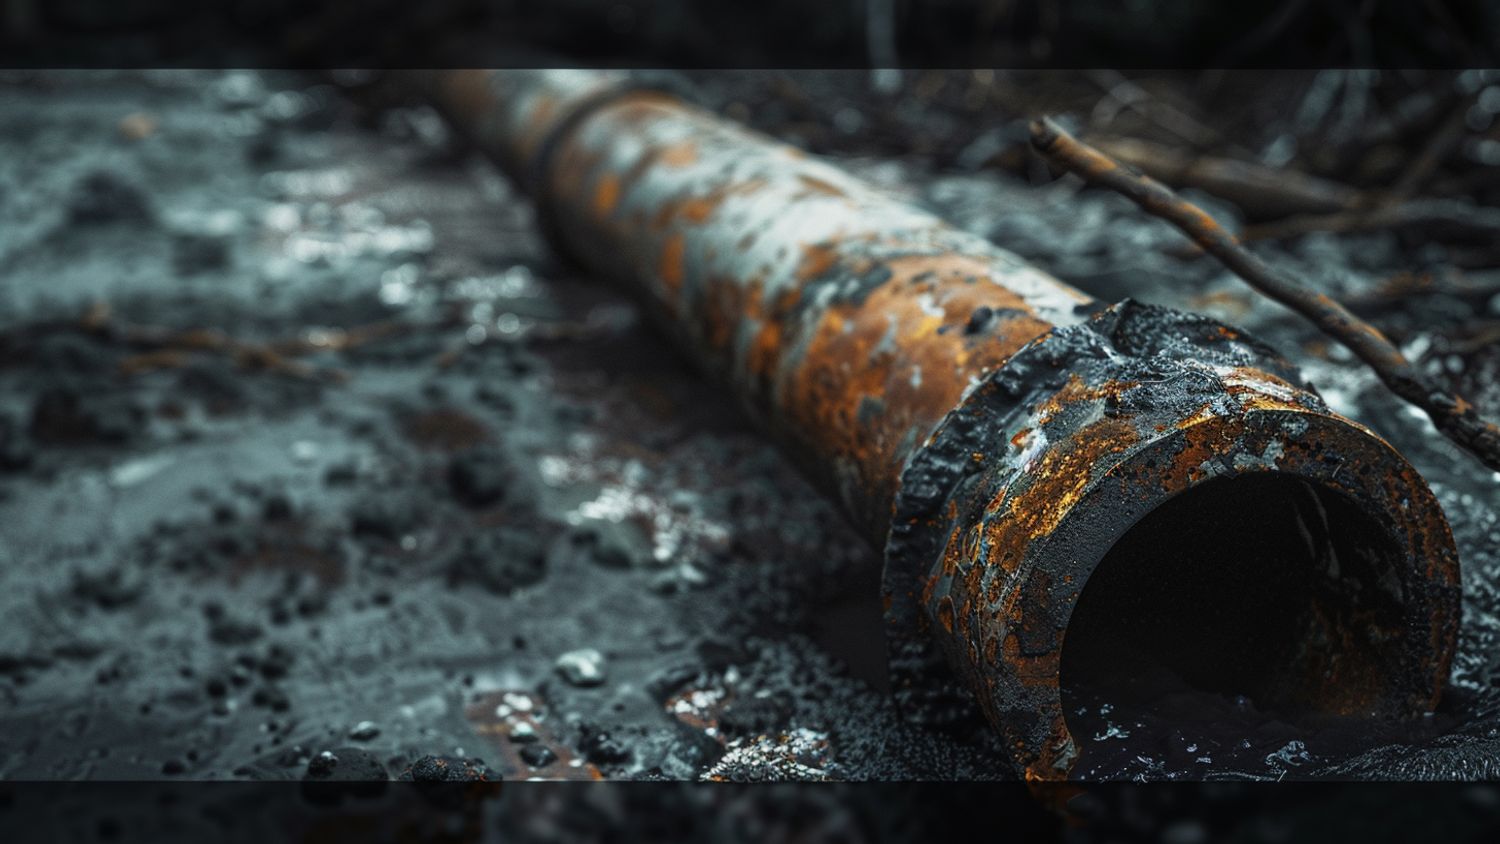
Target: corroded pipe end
[(1156, 487)]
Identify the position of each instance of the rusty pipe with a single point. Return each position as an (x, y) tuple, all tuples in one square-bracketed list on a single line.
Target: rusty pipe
[(995, 431)]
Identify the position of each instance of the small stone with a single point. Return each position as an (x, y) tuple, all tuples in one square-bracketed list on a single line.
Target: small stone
[(322, 764), (446, 769), (523, 733), (537, 755), (583, 667), (364, 731), (602, 748)]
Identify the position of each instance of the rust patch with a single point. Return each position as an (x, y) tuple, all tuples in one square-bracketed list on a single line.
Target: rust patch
[(670, 270), (817, 260), (607, 195), (817, 185), (680, 154)]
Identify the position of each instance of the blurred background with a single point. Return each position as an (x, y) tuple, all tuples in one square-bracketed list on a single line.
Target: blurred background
[(772, 33)]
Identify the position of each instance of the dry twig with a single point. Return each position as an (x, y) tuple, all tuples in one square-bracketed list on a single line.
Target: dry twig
[(1454, 416)]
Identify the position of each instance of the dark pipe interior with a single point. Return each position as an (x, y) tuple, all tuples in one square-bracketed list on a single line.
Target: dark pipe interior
[(1230, 597)]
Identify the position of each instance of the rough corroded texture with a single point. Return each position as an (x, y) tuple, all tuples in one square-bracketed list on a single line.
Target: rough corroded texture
[(1033, 478), (993, 428), (849, 322)]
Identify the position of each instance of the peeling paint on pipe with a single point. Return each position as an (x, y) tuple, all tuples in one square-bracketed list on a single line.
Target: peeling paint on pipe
[(992, 429)]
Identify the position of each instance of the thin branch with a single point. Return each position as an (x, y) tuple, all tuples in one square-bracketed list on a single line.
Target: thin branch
[(1454, 416)]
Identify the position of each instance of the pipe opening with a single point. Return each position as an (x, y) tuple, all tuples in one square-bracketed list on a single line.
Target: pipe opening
[(1233, 617)]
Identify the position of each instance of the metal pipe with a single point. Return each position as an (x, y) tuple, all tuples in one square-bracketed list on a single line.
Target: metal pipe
[(992, 429)]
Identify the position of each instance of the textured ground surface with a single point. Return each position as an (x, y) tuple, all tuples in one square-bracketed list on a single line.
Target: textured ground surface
[(315, 463)]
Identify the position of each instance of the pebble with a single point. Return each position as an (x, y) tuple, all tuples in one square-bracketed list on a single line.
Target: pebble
[(322, 764), (537, 755), (583, 667), (364, 731)]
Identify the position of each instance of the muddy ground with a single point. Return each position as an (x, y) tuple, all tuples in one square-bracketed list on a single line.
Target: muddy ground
[(315, 463)]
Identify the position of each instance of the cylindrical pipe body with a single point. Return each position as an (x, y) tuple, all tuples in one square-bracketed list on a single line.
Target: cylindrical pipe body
[(993, 429), (846, 321)]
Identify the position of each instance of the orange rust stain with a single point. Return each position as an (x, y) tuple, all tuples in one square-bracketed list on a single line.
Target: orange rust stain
[(1039, 671), (817, 259), (1055, 484), (680, 154), (697, 209), (723, 308), (1075, 391), (1255, 389), (607, 194), (853, 393), (643, 107), (816, 185), (1201, 441), (670, 269), (764, 355)]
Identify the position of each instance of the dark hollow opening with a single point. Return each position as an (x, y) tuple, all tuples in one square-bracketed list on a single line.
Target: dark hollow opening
[(1249, 598)]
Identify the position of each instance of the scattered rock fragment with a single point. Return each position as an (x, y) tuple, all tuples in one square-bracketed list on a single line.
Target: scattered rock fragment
[(583, 667), (364, 731), (446, 769)]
